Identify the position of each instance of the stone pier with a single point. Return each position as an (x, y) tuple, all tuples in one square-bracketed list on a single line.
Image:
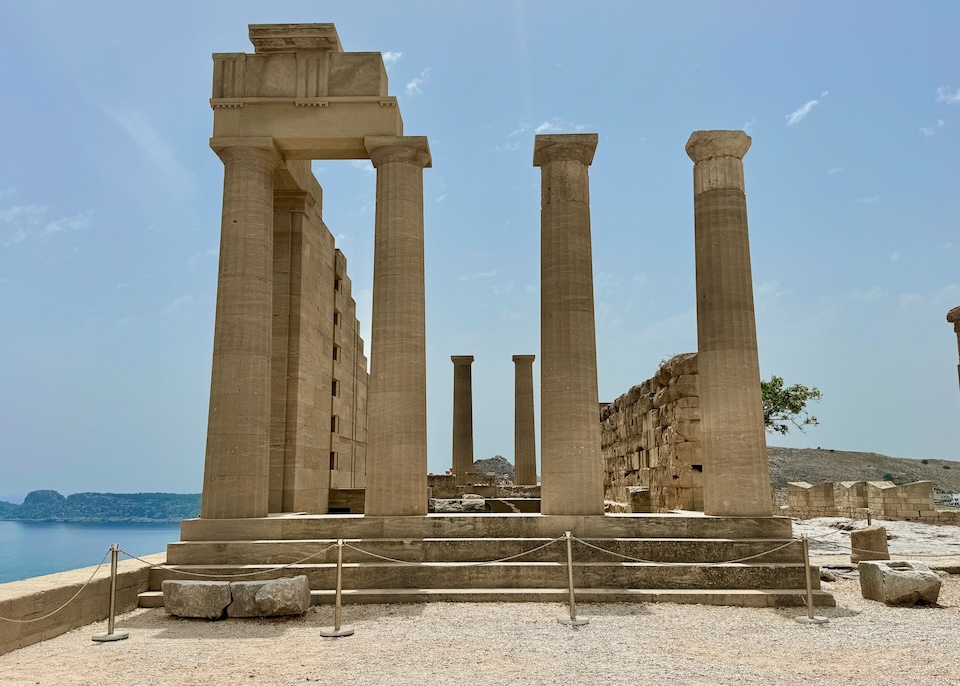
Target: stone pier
[(953, 316), (524, 428), (736, 472), (462, 417), (237, 463), (396, 482), (571, 469)]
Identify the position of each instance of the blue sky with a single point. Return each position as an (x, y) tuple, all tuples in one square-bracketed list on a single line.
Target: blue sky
[(110, 202)]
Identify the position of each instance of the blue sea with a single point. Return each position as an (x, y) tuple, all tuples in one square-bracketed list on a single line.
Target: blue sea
[(35, 548)]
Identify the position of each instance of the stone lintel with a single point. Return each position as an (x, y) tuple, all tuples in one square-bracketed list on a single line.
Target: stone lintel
[(274, 38), (398, 149), (524, 358), (462, 359), (293, 201), (953, 316), (705, 145), (564, 146)]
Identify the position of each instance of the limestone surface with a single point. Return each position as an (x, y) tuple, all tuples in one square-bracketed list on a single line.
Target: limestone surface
[(279, 597), (869, 544), (196, 599), (900, 582)]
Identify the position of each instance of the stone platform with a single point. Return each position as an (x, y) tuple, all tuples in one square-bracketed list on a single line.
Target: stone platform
[(681, 557)]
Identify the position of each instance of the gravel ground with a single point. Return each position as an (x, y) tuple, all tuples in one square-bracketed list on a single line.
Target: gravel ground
[(865, 642)]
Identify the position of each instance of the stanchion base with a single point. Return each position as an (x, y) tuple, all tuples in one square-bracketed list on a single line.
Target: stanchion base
[(817, 619), (106, 638), (333, 632), (566, 619)]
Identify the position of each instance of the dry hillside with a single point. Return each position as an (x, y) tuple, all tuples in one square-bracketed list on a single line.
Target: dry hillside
[(818, 465)]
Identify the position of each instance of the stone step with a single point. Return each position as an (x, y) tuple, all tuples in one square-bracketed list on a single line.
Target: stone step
[(513, 575), (794, 597), (696, 550), (513, 525)]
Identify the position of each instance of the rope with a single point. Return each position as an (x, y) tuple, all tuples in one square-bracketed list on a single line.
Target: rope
[(50, 614), (462, 564), (679, 564), (270, 568)]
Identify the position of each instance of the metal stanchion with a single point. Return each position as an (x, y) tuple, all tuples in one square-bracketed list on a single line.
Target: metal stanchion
[(869, 517), (810, 618), (572, 619), (336, 630), (112, 635)]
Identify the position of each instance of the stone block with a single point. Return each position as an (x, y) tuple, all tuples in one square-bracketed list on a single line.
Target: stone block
[(199, 599), (280, 597), (900, 582)]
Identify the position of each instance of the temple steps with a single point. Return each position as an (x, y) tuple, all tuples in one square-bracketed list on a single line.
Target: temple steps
[(680, 557)]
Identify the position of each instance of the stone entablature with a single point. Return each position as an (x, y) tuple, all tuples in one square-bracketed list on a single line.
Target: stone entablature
[(883, 499), (650, 438)]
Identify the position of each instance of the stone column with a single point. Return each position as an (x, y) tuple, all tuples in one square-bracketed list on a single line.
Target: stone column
[(736, 473), (397, 396), (524, 430), (953, 316), (571, 469), (237, 462), (462, 417)]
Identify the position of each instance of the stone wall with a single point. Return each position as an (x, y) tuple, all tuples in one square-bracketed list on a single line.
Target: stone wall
[(650, 438), (36, 597), (883, 499)]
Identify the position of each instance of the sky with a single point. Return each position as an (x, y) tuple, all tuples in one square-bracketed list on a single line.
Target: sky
[(110, 209)]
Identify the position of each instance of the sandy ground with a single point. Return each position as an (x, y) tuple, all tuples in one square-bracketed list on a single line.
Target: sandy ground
[(865, 642)]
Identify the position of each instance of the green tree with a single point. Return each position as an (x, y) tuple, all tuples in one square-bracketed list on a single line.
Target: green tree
[(784, 406)]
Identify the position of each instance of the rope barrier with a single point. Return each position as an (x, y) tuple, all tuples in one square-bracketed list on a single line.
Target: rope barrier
[(658, 562), (270, 568), (51, 614), (463, 564)]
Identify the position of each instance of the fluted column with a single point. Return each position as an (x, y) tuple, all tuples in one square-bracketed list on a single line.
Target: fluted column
[(570, 465), (462, 417), (396, 482), (237, 461), (524, 430), (953, 316), (736, 472)]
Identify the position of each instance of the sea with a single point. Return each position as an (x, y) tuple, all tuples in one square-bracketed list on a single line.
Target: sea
[(35, 548)]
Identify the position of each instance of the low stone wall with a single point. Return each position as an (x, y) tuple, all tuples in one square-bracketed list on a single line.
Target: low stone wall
[(883, 499), (32, 598), (650, 439)]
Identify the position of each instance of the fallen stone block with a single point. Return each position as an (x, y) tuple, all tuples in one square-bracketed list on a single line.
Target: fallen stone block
[(869, 544), (270, 597), (900, 582), (197, 599)]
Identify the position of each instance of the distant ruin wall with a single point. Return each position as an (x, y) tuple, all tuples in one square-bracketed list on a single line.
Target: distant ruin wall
[(650, 439), (883, 499)]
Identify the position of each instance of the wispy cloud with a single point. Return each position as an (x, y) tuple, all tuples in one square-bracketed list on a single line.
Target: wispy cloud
[(834, 170), (364, 166), (194, 260), (944, 95), (479, 275), (415, 85), (21, 223), (928, 131), (869, 199), (503, 289), (7, 192), (507, 147), (558, 125), (894, 257), (799, 114), (390, 58), (441, 198), (159, 151), (748, 127)]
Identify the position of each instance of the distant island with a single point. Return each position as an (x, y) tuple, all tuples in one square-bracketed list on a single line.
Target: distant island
[(50, 506)]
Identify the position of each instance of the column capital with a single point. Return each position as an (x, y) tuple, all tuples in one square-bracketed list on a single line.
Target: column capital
[(230, 148), (562, 147), (524, 358), (462, 359), (953, 316), (706, 145), (413, 149)]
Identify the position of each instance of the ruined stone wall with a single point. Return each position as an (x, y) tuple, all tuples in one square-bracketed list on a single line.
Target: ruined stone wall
[(883, 499), (650, 439)]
